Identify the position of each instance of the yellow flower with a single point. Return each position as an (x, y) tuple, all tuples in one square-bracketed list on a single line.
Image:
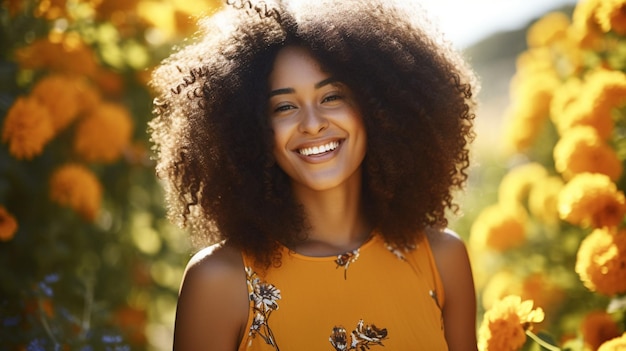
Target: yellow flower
[(499, 227), (564, 97), (27, 128), (581, 150), (585, 24), (617, 344), (8, 225), (601, 261), (591, 103), (611, 15), (75, 186), (516, 184), (591, 199), (550, 28), (531, 94), (543, 199), (501, 284), (103, 135), (504, 326), (59, 94), (598, 327)]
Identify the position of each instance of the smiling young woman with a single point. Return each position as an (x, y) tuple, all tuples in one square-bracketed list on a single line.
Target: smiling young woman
[(316, 145)]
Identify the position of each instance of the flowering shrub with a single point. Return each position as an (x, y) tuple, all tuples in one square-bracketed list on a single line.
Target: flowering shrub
[(87, 259), (556, 235)]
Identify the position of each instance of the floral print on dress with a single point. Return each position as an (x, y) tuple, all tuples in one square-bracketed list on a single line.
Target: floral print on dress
[(344, 260), (265, 298), (361, 339)]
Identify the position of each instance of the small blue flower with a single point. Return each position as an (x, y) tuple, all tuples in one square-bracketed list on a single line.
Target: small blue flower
[(47, 291), (51, 278), (111, 339), (36, 345), (11, 321)]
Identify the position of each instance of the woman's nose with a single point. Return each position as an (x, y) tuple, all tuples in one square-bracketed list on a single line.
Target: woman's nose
[(312, 121)]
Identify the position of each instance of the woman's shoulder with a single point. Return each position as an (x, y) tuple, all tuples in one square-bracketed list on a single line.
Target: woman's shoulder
[(444, 241), (213, 300), (217, 261)]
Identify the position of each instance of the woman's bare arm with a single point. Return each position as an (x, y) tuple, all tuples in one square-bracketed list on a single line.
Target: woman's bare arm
[(213, 302), (459, 311)]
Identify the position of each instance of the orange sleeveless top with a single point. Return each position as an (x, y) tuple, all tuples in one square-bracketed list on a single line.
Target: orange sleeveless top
[(373, 298)]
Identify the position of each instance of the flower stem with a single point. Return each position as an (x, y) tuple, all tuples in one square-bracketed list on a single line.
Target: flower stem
[(542, 342)]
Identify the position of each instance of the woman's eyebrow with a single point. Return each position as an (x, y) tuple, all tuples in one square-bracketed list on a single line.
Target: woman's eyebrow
[(282, 91), (327, 81)]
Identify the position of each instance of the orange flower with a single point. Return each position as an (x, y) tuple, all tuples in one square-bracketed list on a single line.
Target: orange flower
[(62, 52), (75, 186), (581, 150), (499, 228), (59, 94), (13, 6), (550, 28), (27, 128), (133, 322), (591, 199), (104, 134), (598, 327), (504, 326), (8, 225), (51, 9), (601, 261), (614, 344), (539, 288), (611, 15)]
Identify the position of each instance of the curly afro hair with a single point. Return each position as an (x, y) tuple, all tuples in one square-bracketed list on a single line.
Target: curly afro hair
[(214, 142)]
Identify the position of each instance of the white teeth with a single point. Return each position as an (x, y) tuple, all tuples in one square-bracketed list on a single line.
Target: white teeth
[(316, 150)]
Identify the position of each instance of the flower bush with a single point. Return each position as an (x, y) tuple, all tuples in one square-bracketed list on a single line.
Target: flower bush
[(88, 260), (556, 234)]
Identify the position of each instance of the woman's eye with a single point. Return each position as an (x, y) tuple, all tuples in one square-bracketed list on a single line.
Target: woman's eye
[(283, 108), (332, 98)]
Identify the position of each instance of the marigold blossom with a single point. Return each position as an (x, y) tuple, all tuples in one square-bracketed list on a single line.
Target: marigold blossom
[(591, 199), (504, 325), (59, 52), (598, 327), (104, 134), (548, 29), (531, 93), (500, 285), (499, 227), (601, 261), (543, 199), (516, 184), (616, 344), (611, 15), (59, 93), (27, 128), (75, 186), (564, 97), (585, 23), (581, 150), (8, 225)]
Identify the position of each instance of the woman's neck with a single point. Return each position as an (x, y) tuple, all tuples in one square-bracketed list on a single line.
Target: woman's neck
[(337, 222)]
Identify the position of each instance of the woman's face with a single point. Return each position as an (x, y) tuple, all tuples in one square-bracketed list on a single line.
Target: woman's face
[(319, 137)]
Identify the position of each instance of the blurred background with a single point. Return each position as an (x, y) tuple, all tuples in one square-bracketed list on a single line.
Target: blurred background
[(89, 261)]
